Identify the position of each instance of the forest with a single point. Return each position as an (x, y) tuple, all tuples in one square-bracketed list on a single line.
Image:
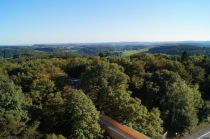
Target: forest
[(113, 49), (177, 49), (151, 93)]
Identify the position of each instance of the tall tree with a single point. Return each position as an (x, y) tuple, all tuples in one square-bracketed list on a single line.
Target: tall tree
[(71, 114), (82, 114), (178, 102), (13, 109), (184, 56)]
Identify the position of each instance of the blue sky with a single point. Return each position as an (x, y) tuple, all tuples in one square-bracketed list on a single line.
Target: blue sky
[(64, 21)]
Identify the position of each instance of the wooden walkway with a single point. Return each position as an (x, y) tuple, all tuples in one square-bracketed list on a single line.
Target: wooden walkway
[(119, 131)]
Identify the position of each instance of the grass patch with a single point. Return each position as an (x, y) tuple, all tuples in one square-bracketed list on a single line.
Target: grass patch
[(132, 52)]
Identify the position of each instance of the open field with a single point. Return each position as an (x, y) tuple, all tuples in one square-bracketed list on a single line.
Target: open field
[(132, 52)]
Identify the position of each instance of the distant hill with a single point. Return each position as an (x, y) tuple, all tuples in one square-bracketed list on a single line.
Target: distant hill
[(180, 48), (114, 48), (34, 52)]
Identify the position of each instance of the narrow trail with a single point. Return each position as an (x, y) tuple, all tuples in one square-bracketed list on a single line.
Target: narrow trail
[(201, 134)]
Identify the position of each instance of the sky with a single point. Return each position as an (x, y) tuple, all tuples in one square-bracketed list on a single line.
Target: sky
[(71, 21)]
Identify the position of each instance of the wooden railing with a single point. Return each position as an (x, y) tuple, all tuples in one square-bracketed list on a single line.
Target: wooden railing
[(115, 127)]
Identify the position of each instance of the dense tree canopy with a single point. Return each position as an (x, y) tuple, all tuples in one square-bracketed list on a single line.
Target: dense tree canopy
[(47, 97), (107, 85)]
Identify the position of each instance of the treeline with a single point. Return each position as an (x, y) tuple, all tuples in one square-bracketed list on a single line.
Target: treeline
[(34, 52), (149, 93), (44, 51), (192, 49)]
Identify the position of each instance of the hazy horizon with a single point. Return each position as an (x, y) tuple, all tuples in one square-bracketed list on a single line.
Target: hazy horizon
[(26, 22), (117, 42)]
